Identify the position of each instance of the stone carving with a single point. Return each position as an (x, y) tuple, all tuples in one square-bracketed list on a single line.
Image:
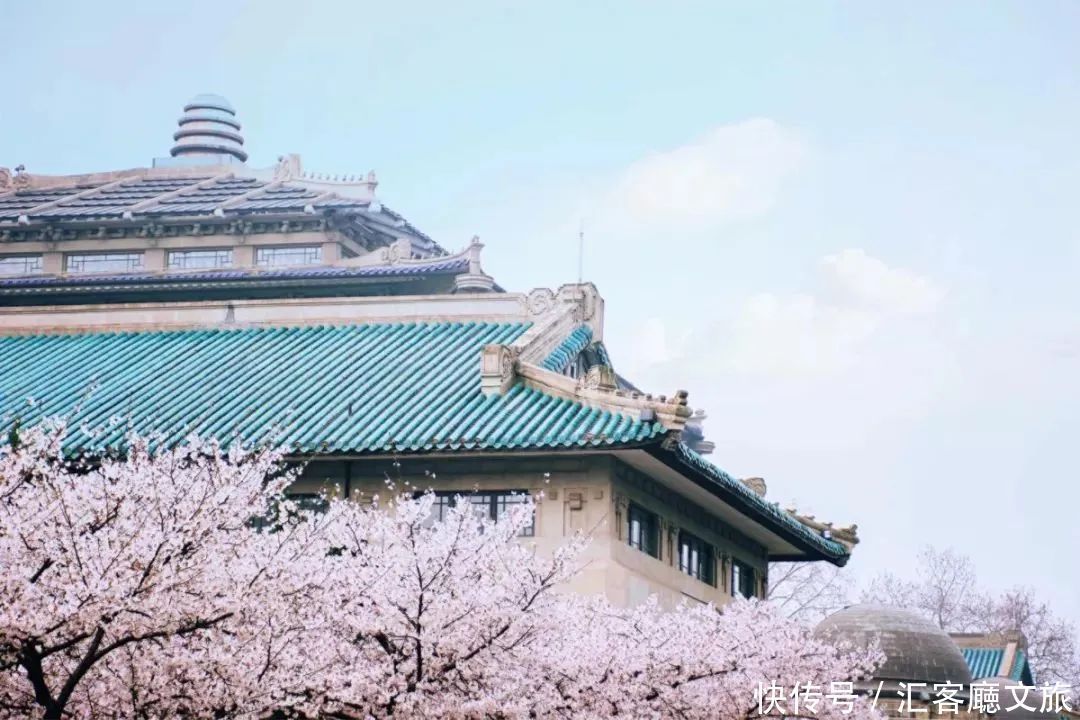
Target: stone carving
[(288, 167), (497, 368), (400, 249), (584, 299), (601, 377), (22, 178), (540, 301), (756, 484)]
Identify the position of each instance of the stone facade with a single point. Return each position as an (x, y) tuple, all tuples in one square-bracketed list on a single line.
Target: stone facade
[(587, 495)]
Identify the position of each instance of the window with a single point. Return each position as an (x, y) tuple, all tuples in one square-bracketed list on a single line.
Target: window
[(644, 530), (742, 579), (274, 517), (489, 504), (20, 264), (696, 558), (283, 256), (315, 502), (195, 259), (104, 262)]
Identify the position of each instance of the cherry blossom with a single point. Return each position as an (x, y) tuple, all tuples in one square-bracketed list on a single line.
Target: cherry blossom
[(183, 582)]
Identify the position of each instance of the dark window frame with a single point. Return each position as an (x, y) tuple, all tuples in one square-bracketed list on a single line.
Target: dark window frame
[(493, 503), (643, 530), (742, 580), (696, 558)]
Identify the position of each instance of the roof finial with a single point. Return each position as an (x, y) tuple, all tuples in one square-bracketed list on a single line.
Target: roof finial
[(210, 131)]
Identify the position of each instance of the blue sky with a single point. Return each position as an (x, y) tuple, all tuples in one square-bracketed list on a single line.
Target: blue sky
[(849, 230)]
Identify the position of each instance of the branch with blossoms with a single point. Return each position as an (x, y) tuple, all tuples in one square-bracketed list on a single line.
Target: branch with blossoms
[(138, 586)]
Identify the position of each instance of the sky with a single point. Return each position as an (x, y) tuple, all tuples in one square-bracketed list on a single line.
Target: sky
[(849, 230)]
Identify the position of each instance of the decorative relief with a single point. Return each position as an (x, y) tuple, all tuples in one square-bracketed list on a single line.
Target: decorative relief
[(601, 377), (497, 368), (756, 484), (287, 167), (401, 249), (22, 178), (540, 301), (584, 300)]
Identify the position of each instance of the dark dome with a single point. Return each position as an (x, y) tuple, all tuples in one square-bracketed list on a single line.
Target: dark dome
[(915, 649)]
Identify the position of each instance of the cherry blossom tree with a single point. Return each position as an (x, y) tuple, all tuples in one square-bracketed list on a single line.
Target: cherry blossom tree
[(948, 593), (809, 591), (142, 586)]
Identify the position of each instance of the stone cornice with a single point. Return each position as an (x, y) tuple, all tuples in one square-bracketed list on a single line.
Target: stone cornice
[(253, 224), (555, 314), (669, 412), (847, 536), (489, 307)]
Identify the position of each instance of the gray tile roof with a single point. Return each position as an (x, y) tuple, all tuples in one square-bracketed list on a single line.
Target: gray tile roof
[(450, 265), (188, 197)]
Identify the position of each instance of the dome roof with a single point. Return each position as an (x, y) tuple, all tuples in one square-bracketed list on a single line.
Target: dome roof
[(915, 649), (209, 129)]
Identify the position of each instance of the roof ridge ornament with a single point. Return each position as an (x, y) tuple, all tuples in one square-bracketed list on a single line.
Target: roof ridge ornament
[(848, 535), (475, 280), (288, 167)]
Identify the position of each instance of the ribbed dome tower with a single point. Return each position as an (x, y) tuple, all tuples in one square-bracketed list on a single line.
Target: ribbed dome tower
[(209, 127)]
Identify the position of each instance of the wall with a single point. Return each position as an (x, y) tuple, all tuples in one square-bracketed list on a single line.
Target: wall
[(581, 493)]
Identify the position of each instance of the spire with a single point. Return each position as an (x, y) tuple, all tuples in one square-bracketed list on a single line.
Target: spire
[(209, 132)]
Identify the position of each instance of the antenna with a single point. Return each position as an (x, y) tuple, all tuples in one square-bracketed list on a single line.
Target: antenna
[(581, 252)]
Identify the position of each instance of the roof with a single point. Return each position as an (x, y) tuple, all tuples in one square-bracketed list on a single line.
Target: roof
[(194, 196), (449, 264), (327, 389), (169, 200), (916, 650), (996, 654), (371, 388), (568, 349), (740, 496), (983, 662)]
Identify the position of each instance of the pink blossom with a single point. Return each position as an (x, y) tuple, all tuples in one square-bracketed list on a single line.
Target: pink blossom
[(140, 587)]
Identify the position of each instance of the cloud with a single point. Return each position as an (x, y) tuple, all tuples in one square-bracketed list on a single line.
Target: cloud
[(868, 281), (734, 171), (802, 333), (796, 334), (864, 309)]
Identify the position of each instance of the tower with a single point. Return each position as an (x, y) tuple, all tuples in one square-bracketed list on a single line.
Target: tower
[(208, 134)]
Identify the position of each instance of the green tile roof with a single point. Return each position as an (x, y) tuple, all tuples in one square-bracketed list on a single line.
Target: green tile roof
[(367, 388), (568, 349), (356, 388), (765, 512), (983, 662), (1022, 669)]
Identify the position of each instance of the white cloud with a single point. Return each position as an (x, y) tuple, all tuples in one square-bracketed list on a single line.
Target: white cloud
[(803, 333), (796, 334), (869, 281), (734, 171)]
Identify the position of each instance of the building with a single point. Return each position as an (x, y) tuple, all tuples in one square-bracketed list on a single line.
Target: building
[(931, 673), (996, 655), (203, 295)]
